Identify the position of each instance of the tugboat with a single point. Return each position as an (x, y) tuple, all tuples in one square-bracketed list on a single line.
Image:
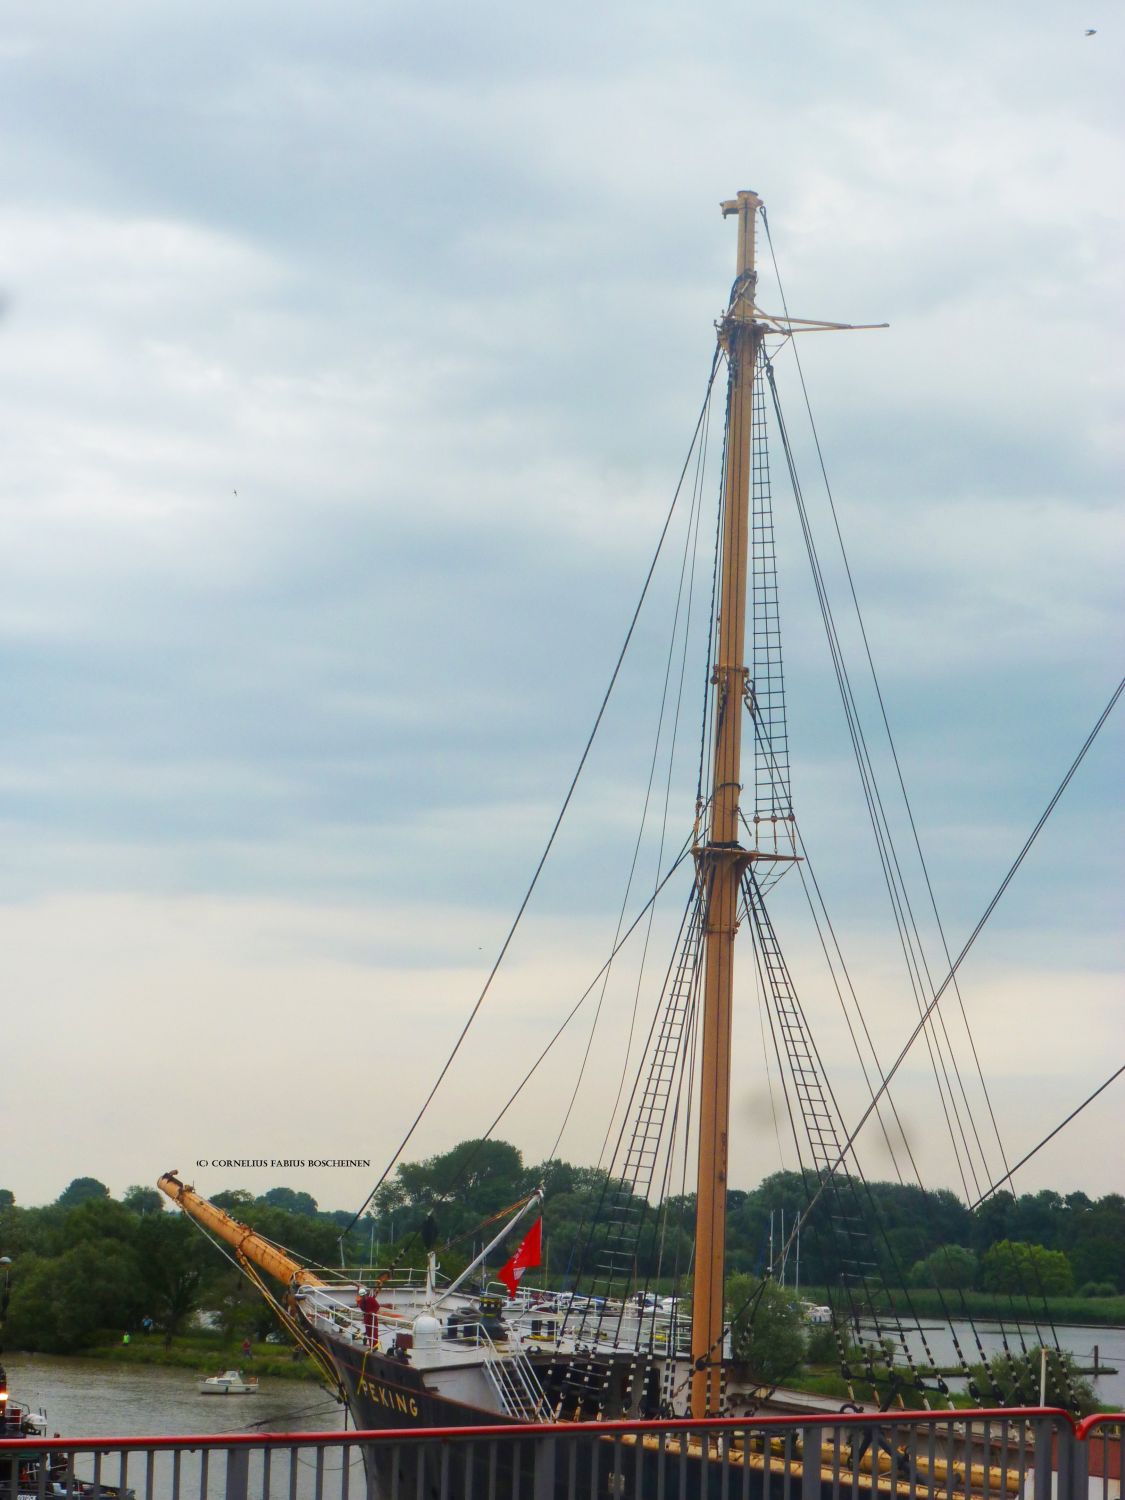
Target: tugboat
[(43, 1476), (17, 1420)]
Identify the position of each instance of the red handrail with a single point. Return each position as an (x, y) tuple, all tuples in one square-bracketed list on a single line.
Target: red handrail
[(545, 1429), (1087, 1424)]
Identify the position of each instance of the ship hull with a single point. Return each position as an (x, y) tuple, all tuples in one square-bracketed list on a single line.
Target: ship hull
[(385, 1394)]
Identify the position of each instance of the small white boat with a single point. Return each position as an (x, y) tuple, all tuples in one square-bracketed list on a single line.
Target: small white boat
[(229, 1383), (817, 1314)]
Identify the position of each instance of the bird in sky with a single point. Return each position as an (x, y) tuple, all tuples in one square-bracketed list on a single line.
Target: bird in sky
[(1091, 31)]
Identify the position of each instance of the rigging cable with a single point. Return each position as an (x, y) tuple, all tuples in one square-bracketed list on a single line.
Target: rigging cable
[(853, 1315), (561, 814), (601, 1230), (887, 728), (691, 541), (312, 1349), (806, 861), (814, 1088), (906, 926), (989, 909), (465, 1162), (697, 504), (849, 1144), (587, 992), (471, 1156), (1089, 1099), (683, 1096)]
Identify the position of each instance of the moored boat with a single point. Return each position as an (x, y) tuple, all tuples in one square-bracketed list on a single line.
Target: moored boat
[(229, 1383), (42, 1475)]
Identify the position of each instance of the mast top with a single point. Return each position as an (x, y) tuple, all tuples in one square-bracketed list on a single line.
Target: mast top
[(743, 308), (746, 206), (745, 198)]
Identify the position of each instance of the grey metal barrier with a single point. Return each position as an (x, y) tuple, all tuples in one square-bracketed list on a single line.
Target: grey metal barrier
[(1007, 1454)]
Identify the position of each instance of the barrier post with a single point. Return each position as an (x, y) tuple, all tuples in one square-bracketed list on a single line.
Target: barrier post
[(238, 1473), (810, 1464), (544, 1486), (1078, 1466)]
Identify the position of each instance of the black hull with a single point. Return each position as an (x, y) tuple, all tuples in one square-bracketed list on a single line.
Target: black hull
[(385, 1394)]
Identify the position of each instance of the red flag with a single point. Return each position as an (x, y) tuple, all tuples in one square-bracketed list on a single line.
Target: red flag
[(529, 1254)]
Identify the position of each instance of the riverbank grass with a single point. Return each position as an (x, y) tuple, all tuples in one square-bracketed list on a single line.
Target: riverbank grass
[(1093, 1312), (207, 1354)]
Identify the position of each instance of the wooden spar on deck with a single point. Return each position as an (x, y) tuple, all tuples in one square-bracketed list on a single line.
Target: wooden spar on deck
[(245, 1243), (722, 860)]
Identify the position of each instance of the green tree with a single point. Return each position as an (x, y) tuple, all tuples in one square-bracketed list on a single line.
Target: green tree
[(947, 1266), (991, 1221), (1097, 1244), (1099, 1257), (98, 1218), (552, 1176), (1039, 1219), (143, 1200), (233, 1200), (479, 1177), (64, 1303), (174, 1261), (1016, 1266), (1015, 1377), (243, 1311), (81, 1190), (767, 1327), (291, 1201)]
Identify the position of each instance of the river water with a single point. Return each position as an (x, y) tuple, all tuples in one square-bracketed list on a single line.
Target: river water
[(96, 1398), (1079, 1341)]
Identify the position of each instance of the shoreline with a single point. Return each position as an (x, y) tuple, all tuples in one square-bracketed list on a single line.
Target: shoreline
[(202, 1356), (999, 1307)]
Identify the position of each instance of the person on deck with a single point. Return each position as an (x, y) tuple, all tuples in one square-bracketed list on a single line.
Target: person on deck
[(368, 1304)]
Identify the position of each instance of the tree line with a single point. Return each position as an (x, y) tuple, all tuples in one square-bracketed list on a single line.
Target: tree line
[(1063, 1243), (89, 1264)]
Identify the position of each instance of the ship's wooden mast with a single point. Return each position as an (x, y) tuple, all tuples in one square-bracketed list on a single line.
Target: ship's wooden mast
[(721, 859)]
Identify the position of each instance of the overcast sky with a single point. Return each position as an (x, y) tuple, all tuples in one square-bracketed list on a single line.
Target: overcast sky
[(349, 355)]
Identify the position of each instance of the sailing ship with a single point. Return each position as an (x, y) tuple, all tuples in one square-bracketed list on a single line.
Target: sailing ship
[(408, 1350)]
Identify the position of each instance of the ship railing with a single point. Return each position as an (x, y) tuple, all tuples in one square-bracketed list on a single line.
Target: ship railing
[(392, 1276), (336, 1315), (660, 1333), (507, 1366), (1025, 1453), (513, 1378)]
